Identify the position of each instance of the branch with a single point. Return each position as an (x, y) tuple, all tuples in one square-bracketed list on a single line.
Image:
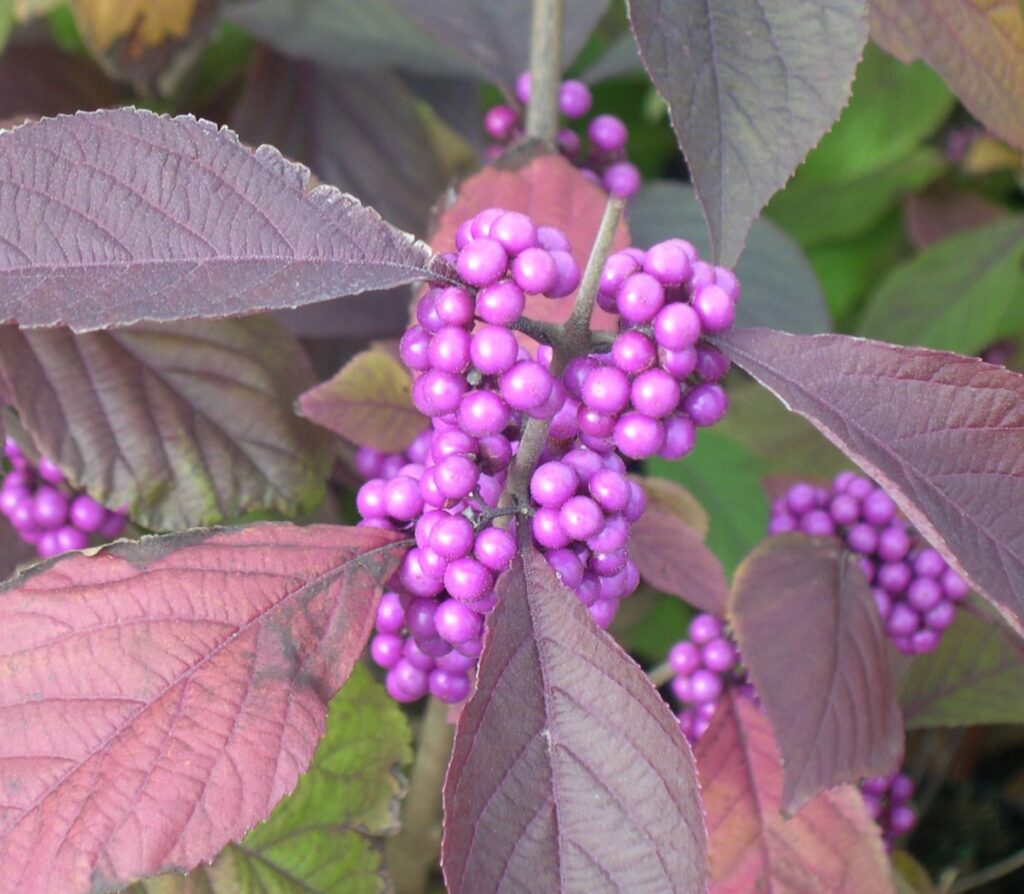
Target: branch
[(989, 873), (412, 853), (545, 69)]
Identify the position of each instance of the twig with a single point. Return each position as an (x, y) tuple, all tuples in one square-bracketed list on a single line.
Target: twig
[(661, 674), (989, 874), (412, 853), (545, 69)]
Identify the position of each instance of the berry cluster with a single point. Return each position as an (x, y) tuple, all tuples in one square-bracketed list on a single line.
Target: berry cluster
[(46, 512), (888, 801), (606, 163), (915, 590), (480, 387), (706, 664), (660, 381)]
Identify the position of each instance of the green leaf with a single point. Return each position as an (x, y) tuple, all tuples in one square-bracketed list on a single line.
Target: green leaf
[(785, 440), (976, 676), (6, 21), (726, 478), (893, 109), (850, 269), (815, 213), (323, 837), (961, 294)]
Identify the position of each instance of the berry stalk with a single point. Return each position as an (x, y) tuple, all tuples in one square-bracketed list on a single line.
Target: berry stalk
[(545, 69), (573, 340)]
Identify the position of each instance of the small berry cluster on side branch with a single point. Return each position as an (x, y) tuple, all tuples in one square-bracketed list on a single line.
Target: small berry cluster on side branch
[(637, 393), (47, 513), (607, 135), (888, 801), (706, 664), (915, 589)]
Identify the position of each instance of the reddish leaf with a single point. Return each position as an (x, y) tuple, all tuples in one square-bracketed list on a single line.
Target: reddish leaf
[(160, 697), (668, 548), (569, 772), (812, 641), (975, 677), (156, 218), (943, 434), (186, 423), (976, 46), (943, 211), (39, 79), (368, 402), (830, 847), (751, 88), (554, 193)]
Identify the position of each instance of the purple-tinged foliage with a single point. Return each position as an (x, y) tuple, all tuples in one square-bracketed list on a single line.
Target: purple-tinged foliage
[(359, 131), (156, 218), (569, 772), (672, 557), (812, 642), (39, 79), (488, 38), (974, 678), (943, 434), (751, 87), (185, 424)]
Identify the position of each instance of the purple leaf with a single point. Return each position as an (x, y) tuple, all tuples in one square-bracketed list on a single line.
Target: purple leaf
[(14, 552), (975, 677), (185, 423), (943, 434), (115, 217), (494, 35), (569, 772), (812, 641), (442, 37), (359, 131), (39, 79), (667, 544), (751, 88)]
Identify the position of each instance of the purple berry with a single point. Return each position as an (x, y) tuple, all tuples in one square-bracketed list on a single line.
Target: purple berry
[(638, 436), (655, 393), (680, 436), (685, 658), (535, 271), (574, 99), (448, 686), (608, 133), (552, 484), (527, 385), (633, 352), (677, 326), (483, 413), (622, 179), (715, 308), (640, 298), (606, 389), (455, 476), (502, 303), (704, 628), (668, 263), (493, 349), (501, 123), (482, 262), (494, 548), (467, 580), (581, 517), (706, 404), (456, 622), (50, 507)]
